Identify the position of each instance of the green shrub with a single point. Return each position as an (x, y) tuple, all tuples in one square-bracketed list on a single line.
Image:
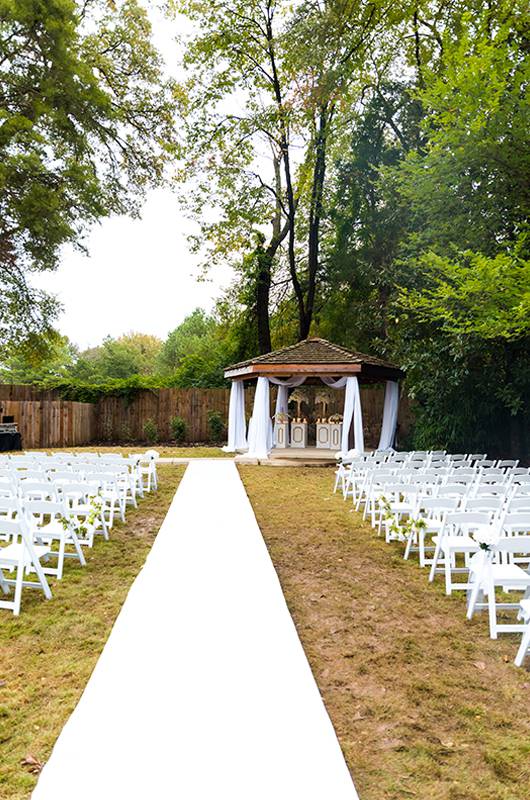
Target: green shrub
[(178, 429), (216, 426), (125, 433), (150, 431)]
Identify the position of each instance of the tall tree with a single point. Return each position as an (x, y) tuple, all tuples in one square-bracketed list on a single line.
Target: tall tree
[(86, 124), (267, 82)]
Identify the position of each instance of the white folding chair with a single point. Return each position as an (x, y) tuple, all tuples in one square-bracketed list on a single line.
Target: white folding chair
[(432, 511), (87, 511), (454, 540), (20, 556), (488, 570), (50, 523)]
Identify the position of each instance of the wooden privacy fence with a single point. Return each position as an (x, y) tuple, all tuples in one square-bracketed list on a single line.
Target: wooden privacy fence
[(52, 423), (121, 420), (44, 420)]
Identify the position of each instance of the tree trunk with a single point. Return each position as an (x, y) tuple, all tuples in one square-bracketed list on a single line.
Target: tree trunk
[(315, 218)]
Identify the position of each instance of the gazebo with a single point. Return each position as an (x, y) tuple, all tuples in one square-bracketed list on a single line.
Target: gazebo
[(292, 366)]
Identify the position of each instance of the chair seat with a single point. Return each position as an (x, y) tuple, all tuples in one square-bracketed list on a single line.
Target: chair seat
[(465, 544), (13, 553)]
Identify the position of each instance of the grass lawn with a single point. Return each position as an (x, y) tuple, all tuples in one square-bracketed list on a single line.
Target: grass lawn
[(48, 653), (425, 705), (199, 451)]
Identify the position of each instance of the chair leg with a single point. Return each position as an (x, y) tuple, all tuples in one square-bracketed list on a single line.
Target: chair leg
[(492, 612), (435, 558), (18, 588), (524, 646), (78, 549), (448, 574), (4, 584), (473, 598), (60, 559)]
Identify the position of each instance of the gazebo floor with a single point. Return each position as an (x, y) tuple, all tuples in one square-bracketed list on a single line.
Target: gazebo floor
[(293, 457)]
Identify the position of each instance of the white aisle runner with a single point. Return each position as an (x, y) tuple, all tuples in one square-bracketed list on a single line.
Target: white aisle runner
[(203, 690)]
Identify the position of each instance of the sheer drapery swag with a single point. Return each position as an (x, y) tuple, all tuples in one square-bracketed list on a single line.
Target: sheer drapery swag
[(352, 410), (260, 425), (390, 415), (237, 426), (282, 398)]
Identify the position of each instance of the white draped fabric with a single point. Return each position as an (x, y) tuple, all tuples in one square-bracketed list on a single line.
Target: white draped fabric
[(282, 407), (352, 410), (260, 426), (237, 437), (294, 380), (260, 434), (282, 398), (390, 415)]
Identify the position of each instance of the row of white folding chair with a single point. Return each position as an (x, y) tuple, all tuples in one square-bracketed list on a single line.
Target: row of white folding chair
[(20, 556), (49, 523), (53, 486), (42, 529)]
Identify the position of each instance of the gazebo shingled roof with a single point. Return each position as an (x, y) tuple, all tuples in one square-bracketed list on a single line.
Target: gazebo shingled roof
[(315, 357)]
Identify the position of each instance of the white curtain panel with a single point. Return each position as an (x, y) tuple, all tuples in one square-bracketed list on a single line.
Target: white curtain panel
[(352, 410), (260, 426), (390, 415), (237, 438), (282, 407), (282, 398)]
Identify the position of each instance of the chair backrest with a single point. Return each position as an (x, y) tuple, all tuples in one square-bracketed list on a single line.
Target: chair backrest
[(75, 490), (40, 508), (477, 456), (431, 505), (487, 503), (486, 462), (9, 506), (517, 521), (44, 489), (521, 480), (490, 489), (507, 463), (31, 475), (513, 544), (518, 504), (468, 519), (453, 490)]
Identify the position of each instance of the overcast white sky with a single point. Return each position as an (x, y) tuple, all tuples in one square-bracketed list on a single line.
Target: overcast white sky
[(139, 274)]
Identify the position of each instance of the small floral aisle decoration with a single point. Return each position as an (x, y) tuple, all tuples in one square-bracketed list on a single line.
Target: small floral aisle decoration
[(403, 531), (92, 516)]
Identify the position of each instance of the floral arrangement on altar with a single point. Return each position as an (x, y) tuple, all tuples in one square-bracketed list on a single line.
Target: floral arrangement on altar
[(281, 417), (299, 396), (336, 418)]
